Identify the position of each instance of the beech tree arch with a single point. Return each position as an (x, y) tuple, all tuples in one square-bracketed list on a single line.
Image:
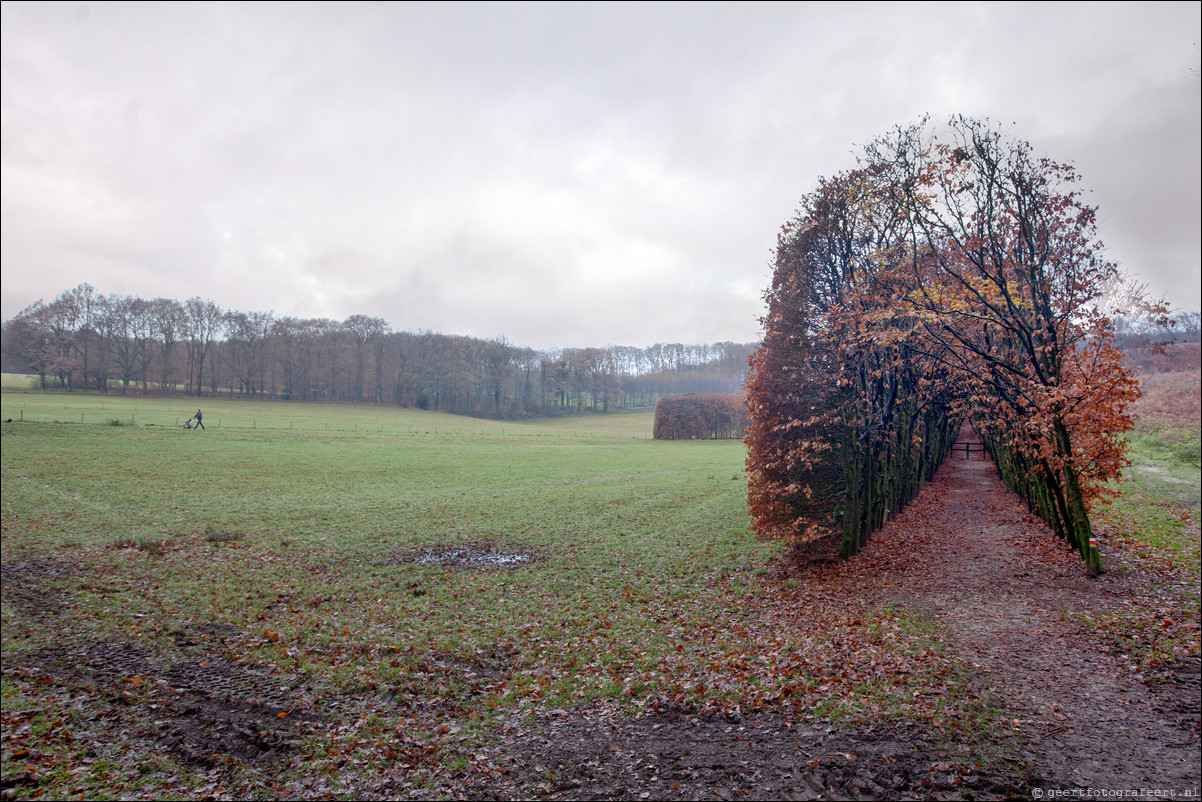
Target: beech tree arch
[(948, 276)]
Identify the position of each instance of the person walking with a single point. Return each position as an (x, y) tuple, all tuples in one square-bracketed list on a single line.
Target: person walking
[(199, 418)]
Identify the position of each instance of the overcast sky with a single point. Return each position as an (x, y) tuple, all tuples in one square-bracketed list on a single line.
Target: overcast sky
[(560, 175)]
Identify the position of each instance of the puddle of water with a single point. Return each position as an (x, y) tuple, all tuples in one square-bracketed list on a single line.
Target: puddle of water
[(471, 557)]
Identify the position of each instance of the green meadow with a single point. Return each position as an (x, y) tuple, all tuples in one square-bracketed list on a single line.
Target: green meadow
[(458, 569), (375, 596), (358, 504)]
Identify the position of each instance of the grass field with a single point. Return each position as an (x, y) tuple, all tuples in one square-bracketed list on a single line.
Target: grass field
[(318, 543), (603, 514), (368, 589), (1162, 488), (20, 404)]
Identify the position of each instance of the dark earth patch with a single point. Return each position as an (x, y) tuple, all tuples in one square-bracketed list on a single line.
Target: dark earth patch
[(29, 585), (1178, 694), (600, 754), (205, 710)]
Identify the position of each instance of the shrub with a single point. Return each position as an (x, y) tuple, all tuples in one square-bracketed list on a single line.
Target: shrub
[(701, 416)]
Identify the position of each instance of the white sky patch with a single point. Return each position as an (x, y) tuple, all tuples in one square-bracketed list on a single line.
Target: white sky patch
[(560, 174)]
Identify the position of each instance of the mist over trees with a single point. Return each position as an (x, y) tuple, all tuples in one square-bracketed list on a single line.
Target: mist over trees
[(85, 340), (1134, 332)]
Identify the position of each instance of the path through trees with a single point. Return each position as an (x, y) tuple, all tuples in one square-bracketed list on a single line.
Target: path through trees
[(1005, 590), (941, 280)]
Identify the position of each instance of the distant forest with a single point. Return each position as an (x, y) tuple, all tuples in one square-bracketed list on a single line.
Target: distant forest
[(84, 340)]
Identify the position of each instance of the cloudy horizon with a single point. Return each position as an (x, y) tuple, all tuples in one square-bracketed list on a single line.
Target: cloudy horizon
[(555, 174)]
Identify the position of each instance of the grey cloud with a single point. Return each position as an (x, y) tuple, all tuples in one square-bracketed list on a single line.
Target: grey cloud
[(557, 173)]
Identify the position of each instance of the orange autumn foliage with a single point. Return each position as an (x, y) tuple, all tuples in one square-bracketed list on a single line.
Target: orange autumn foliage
[(940, 279)]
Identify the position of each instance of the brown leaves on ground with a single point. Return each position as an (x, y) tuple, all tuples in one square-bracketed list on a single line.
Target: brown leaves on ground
[(1092, 708), (944, 661), (949, 654)]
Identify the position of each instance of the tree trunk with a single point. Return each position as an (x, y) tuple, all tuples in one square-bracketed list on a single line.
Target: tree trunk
[(1074, 500)]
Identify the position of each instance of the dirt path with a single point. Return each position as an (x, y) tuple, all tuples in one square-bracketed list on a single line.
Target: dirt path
[(1001, 594)]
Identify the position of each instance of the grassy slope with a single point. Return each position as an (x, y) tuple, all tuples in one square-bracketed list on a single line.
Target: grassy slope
[(300, 540), (1154, 521), (605, 515), (1162, 489)]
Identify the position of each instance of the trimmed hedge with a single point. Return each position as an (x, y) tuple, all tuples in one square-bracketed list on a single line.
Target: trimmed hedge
[(701, 416)]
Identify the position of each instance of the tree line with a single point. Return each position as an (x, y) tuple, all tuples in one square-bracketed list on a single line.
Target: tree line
[(1145, 332), (86, 340), (948, 277)]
